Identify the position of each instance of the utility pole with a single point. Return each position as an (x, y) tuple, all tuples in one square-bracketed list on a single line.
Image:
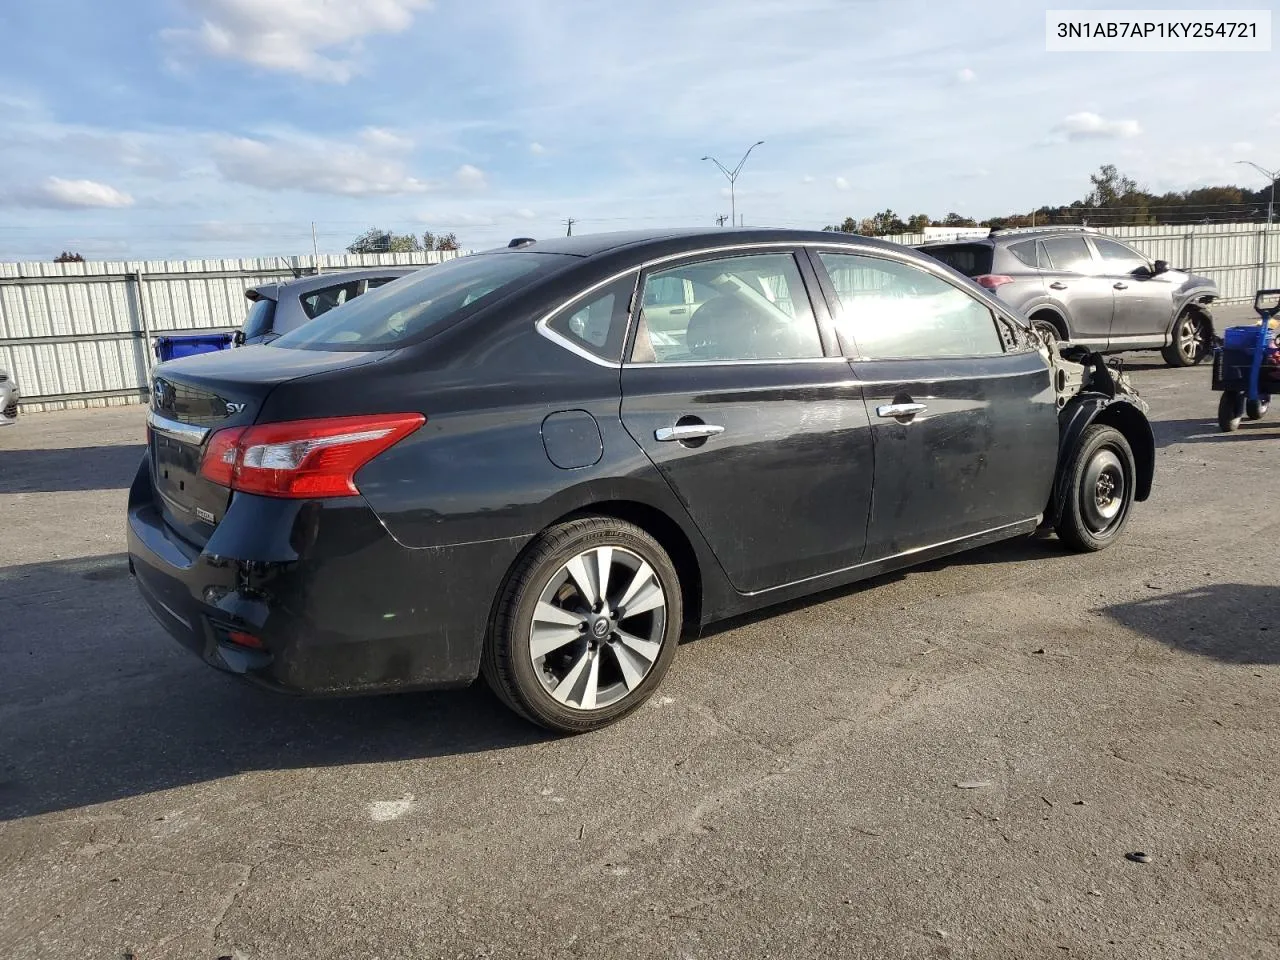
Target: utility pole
[(315, 247), (1271, 175), (732, 177), (720, 220), (569, 223)]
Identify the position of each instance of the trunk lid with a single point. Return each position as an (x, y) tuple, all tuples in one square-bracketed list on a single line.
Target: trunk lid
[(196, 396)]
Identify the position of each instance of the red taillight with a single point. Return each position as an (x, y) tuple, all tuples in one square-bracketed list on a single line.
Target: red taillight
[(242, 639), (992, 280), (302, 458)]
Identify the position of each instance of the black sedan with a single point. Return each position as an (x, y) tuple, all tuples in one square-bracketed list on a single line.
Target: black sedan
[(548, 463)]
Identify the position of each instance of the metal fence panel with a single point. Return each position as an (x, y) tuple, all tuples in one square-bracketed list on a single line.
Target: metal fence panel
[(77, 334)]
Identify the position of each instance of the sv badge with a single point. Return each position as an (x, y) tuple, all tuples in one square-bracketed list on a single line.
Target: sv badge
[(234, 408)]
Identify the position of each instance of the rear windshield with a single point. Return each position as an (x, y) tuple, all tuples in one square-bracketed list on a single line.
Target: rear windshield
[(258, 320), (971, 259), (407, 309)]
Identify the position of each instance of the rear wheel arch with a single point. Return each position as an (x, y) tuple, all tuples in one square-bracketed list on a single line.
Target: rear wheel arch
[(670, 536), (1050, 315)]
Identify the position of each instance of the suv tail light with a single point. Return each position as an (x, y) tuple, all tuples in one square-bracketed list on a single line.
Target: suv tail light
[(992, 280), (302, 458)]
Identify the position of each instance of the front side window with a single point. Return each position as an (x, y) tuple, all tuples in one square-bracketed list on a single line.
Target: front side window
[(598, 324), (1116, 257), (1070, 254), (401, 313), (891, 310), (745, 308)]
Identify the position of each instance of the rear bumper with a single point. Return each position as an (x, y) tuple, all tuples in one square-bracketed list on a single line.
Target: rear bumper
[(338, 605)]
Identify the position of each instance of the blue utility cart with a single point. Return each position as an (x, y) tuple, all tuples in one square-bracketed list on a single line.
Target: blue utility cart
[(1246, 365)]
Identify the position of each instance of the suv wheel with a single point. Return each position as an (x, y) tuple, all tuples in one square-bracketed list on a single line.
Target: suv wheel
[(1190, 340)]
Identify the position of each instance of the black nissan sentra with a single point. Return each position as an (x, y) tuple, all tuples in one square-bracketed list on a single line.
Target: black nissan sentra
[(547, 463)]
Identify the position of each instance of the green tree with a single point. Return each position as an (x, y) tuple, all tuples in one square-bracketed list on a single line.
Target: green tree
[(376, 240), (443, 241), (917, 222), (848, 225), (66, 257)]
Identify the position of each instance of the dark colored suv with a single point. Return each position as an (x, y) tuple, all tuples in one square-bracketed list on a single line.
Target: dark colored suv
[(278, 308), (1091, 289)]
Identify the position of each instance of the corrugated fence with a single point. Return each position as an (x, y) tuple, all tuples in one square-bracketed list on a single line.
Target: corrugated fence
[(80, 334)]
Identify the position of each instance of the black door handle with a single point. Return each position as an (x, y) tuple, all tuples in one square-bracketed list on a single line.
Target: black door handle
[(1057, 285)]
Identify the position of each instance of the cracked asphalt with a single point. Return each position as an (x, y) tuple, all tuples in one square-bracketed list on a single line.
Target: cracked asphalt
[(793, 790)]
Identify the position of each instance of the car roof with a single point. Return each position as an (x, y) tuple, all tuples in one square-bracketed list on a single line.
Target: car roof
[(669, 241), (316, 281)]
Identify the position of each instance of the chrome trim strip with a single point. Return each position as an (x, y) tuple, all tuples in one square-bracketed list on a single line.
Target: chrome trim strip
[(176, 430), (730, 363), (895, 556), (541, 325)]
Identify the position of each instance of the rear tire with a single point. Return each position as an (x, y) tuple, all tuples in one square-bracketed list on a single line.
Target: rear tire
[(1257, 409), (1230, 411), (567, 659), (1190, 340), (1102, 475)]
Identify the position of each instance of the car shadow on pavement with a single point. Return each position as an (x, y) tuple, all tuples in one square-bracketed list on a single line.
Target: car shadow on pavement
[(97, 703), (1038, 546), (1229, 622), (1205, 430), (72, 468)]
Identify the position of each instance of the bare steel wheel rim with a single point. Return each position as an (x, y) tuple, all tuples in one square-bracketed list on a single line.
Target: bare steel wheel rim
[(1189, 336), (598, 628), (1104, 492)]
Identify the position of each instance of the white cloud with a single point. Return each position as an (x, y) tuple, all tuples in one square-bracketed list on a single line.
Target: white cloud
[(966, 75), (1090, 126), (806, 179), (289, 35), (537, 149), (842, 183), (1243, 146), (57, 193), (313, 165), (524, 213), (471, 177), (380, 138)]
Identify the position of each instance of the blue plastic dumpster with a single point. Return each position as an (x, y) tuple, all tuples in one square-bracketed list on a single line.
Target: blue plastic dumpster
[(170, 348)]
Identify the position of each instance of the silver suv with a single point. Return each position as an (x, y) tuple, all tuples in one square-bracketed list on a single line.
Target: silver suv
[(1091, 289), (8, 399)]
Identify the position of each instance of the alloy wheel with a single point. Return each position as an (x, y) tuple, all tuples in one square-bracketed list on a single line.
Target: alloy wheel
[(598, 627), (1190, 337)]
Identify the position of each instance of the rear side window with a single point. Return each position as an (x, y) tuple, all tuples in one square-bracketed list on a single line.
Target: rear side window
[(401, 313), (598, 324), (1069, 253), (257, 322), (971, 259), (326, 298), (895, 311), (1027, 252)]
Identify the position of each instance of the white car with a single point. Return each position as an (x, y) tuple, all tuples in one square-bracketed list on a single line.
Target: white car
[(8, 399)]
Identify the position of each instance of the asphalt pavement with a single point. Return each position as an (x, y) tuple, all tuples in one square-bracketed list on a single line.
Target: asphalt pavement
[(956, 761)]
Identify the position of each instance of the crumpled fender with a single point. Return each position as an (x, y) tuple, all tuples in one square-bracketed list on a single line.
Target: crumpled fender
[(1107, 397)]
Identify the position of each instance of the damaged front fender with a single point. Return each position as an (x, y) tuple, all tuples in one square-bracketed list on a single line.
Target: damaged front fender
[(1090, 390)]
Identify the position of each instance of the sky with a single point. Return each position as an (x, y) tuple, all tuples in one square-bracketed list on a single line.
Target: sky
[(220, 128)]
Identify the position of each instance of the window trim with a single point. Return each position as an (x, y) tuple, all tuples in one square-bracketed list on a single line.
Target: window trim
[(543, 324), (851, 350), (798, 258), (815, 280)]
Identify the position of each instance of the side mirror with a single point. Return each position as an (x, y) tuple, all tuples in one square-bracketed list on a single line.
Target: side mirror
[(237, 340), (1159, 267)]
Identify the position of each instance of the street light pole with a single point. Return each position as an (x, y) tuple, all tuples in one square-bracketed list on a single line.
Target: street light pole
[(732, 177), (1271, 175)]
